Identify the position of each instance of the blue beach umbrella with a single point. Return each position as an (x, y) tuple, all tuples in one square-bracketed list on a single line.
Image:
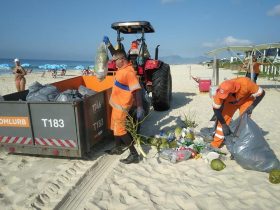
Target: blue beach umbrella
[(80, 67), (53, 66), (26, 65), (62, 66)]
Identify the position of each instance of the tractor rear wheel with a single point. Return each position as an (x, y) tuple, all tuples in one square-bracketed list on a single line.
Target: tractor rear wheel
[(162, 88)]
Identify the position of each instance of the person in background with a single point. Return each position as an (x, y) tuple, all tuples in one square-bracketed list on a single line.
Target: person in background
[(256, 69), (86, 71), (239, 93), (19, 76), (54, 73), (63, 72), (125, 90)]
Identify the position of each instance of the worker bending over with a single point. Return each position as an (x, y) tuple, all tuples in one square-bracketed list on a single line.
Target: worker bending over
[(240, 93)]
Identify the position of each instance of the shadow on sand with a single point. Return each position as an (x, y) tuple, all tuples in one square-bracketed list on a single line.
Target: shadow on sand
[(158, 119)]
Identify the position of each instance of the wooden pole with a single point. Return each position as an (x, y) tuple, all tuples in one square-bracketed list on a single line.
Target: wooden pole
[(215, 77), (251, 66)]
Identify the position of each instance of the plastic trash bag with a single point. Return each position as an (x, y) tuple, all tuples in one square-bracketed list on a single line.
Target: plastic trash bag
[(248, 146), (69, 96), (101, 62), (50, 91), (35, 86), (86, 91), (38, 92)]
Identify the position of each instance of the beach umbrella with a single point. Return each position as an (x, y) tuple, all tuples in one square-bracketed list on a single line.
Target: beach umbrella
[(26, 65), (45, 66), (52, 66), (62, 66), (80, 67)]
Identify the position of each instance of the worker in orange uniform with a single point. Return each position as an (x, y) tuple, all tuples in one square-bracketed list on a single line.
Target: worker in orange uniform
[(125, 90), (239, 93)]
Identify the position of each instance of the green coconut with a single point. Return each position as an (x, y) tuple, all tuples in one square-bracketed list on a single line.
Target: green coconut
[(164, 145), (217, 165), (178, 132), (274, 176), (163, 140), (173, 144), (190, 135), (154, 141)]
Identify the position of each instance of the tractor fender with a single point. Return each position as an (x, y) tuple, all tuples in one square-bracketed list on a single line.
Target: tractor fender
[(152, 64)]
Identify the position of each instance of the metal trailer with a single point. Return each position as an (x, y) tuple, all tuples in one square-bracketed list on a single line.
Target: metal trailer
[(66, 129)]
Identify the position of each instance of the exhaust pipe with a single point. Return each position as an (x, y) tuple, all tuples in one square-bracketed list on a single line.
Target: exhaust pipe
[(156, 53)]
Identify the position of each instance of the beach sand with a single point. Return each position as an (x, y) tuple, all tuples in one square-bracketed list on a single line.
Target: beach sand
[(102, 182)]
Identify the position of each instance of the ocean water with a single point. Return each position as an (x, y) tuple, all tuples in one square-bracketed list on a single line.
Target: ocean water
[(6, 65)]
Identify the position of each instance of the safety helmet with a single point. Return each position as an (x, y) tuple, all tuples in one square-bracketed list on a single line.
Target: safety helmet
[(227, 87)]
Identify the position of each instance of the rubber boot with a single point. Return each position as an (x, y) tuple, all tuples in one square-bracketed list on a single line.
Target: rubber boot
[(118, 149), (133, 156)]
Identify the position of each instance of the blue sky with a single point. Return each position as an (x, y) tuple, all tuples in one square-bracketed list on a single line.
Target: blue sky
[(73, 29)]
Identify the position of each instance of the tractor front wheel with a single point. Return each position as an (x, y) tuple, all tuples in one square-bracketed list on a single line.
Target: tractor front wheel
[(162, 88)]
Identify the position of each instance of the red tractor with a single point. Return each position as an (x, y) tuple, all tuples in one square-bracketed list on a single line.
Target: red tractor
[(154, 74)]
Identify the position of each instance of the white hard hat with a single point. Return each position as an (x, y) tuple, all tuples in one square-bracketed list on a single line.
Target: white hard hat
[(16, 60)]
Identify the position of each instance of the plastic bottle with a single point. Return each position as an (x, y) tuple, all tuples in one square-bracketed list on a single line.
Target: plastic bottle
[(173, 158), (166, 154), (180, 155)]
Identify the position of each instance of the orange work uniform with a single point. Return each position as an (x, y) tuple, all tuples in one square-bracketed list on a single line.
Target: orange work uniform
[(126, 82), (256, 67), (242, 99)]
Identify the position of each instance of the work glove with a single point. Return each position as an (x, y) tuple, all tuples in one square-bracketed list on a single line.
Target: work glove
[(140, 113), (226, 130), (106, 40), (250, 110)]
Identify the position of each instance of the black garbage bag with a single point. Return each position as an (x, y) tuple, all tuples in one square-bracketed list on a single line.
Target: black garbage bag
[(69, 96), (86, 91), (38, 92), (248, 146)]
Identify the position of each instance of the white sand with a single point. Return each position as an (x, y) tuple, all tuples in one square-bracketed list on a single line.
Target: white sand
[(29, 182)]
